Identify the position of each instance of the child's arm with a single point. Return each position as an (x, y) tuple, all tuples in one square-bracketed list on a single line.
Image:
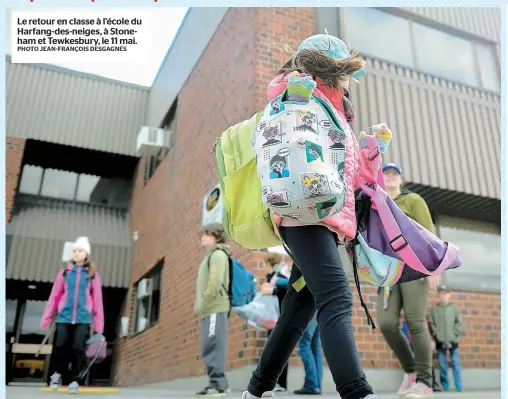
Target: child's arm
[(458, 323), (54, 299), (280, 284), (432, 323), (98, 306)]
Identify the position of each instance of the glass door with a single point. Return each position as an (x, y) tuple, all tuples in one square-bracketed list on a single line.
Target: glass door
[(26, 367), (11, 311)]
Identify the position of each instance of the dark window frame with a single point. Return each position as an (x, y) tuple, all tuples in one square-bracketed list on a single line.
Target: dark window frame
[(75, 195), (153, 162), (156, 271)]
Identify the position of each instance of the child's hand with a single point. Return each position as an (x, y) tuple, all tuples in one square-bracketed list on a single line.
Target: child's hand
[(383, 134), (267, 289)]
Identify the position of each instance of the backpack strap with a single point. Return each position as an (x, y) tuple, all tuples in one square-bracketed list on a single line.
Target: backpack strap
[(398, 241), (230, 288)]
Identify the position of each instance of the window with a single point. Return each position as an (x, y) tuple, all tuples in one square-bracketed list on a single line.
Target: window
[(151, 165), (31, 180), (392, 39), (480, 252), (442, 54), (68, 185), (59, 184), (10, 310), (148, 299), (86, 186), (489, 72), (411, 44), (31, 331), (152, 162)]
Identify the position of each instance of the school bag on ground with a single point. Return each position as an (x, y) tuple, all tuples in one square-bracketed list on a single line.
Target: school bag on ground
[(242, 283), (300, 149), (391, 248)]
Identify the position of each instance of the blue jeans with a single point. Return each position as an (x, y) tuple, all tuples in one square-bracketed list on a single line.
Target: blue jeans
[(442, 357), (310, 352)]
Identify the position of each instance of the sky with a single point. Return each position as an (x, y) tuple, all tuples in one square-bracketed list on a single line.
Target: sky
[(166, 22)]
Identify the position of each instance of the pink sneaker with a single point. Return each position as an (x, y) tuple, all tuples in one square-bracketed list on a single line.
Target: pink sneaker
[(407, 383), (420, 391)]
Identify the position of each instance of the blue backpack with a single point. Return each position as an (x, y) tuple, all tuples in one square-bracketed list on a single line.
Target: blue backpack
[(242, 283)]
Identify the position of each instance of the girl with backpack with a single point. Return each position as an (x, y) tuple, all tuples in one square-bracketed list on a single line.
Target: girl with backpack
[(326, 63), (76, 301)]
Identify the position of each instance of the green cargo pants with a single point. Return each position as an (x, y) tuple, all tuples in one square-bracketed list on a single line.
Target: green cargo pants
[(413, 297)]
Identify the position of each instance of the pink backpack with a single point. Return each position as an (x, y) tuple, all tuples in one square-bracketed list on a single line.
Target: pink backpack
[(390, 248), (96, 352)]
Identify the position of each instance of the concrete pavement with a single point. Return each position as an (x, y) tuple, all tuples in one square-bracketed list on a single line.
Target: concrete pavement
[(157, 393)]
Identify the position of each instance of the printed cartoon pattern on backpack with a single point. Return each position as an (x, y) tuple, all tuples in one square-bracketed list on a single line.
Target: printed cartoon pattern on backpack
[(300, 152)]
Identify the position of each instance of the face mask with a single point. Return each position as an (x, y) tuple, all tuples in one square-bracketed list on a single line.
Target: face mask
[(277, 268)]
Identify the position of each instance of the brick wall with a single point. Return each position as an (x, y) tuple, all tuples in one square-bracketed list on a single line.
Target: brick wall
[(480, 346), (14, 149), (167, 211), (228, 85)]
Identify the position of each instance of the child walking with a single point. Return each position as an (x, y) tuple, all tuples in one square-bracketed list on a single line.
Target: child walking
[(76, 300), (314, 246), (446, 325)]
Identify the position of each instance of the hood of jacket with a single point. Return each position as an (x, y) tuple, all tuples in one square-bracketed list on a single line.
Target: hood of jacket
[(224, 247)]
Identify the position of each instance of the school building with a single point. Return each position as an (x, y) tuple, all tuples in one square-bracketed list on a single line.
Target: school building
[(433, 76), (69, 169)]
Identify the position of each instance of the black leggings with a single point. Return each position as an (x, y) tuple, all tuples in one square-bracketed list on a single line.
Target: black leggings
[(327, 288), (70, 347), (283, 378)]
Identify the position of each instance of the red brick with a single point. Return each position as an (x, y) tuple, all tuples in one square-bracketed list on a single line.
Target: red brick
[(14, 149)]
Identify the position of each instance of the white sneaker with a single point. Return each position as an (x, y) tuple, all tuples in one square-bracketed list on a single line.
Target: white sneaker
[(278, 388), (407, 384), (210, 392), (73, 388), (247, 395), (55, 382), (420, 391)]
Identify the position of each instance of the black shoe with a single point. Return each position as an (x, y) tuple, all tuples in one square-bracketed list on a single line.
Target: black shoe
[(209, 392), (304, 391)]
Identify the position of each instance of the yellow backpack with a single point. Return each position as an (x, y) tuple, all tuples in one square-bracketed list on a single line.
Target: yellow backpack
[(245, 219)]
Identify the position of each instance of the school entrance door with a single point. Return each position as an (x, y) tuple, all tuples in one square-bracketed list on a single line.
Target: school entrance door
[(23, 338)]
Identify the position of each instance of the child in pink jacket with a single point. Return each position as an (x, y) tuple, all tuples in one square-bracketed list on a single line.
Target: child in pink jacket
[(76, 301), (327, 60)]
